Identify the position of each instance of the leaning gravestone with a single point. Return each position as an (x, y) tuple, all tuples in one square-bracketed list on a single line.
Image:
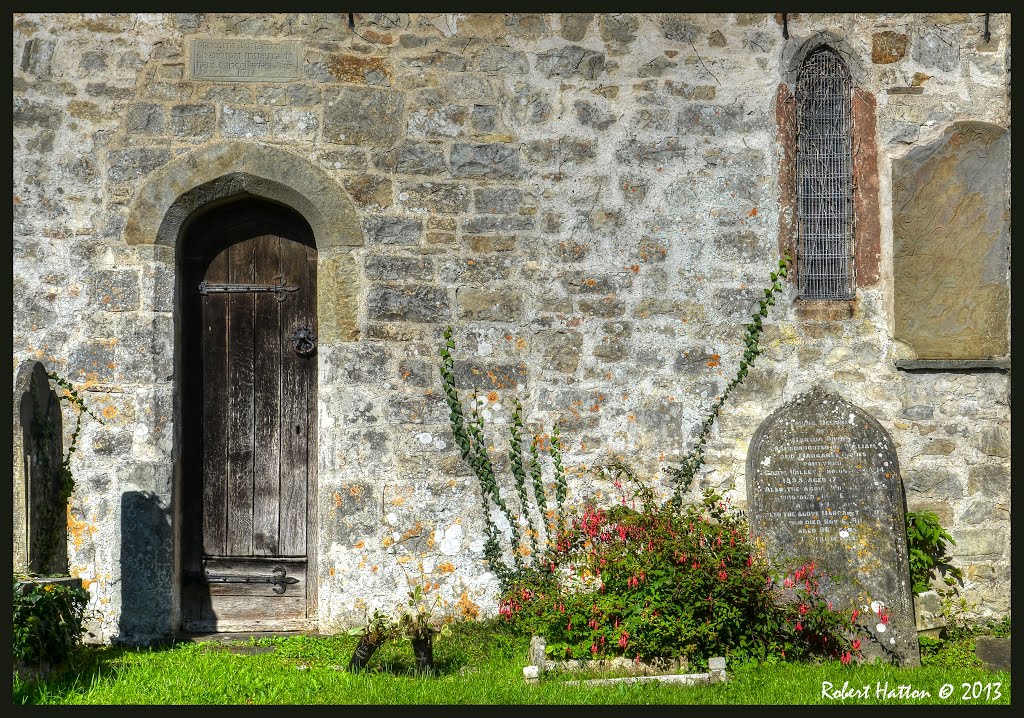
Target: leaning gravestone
[(823, 484), (40, 520)]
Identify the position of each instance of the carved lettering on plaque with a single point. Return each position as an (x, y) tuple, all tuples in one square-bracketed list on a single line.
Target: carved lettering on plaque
[(245, 61)]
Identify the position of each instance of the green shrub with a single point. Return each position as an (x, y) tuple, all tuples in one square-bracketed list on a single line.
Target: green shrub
[(926, 541), (654, 582), (47, 621)]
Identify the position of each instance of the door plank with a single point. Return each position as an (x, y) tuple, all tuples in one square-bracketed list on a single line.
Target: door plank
[(267, 403), (311, 444), (294, 409), (241, 308), (215, 445)]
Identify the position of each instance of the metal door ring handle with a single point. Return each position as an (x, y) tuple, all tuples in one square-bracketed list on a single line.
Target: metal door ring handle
[(304, 341)]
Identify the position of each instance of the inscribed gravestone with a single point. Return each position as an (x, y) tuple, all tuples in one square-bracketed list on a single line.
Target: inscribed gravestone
[(951, 233), (40, 521), (823, 483)]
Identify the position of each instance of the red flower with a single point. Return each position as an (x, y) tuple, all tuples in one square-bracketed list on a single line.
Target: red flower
[(798, 626), (623, 639), (846, 658), (722, 575), (803, 608), (593, 648), (856, 644)]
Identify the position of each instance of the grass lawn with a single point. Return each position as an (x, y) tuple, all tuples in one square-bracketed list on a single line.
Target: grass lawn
[(477, 664)]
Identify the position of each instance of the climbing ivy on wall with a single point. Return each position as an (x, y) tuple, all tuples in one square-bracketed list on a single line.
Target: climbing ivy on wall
[(682, 476), (469, 435)]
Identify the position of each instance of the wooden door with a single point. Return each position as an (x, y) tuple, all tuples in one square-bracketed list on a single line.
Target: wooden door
[(256, 405)]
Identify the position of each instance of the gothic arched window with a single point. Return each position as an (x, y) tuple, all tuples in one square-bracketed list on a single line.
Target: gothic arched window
[(824, 174)]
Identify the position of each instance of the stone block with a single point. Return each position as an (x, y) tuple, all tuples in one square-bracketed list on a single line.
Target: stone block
[(360, 116), (661, 152), (486, 244), (561, 150), (919, 411), (412, 159), (618, 28), (571, 61), (495, 305), (370, 190), (935, 46), (244, 122), (397, 269), (993, 652), (484, 118), (497, 200), (496, 58), (493, 161), (994, 441), (116, 290), (589, 115), (987, 542), (410, 304), (703, 119), (574, 25), (432, 197), (192, 121), (559, 349), (134, 164), (497, 223), (888, 47), (361, 70), (36, 114), (338, 299), (145, 118), (676, 27), (295, 125), (392, 230), (990, 480)]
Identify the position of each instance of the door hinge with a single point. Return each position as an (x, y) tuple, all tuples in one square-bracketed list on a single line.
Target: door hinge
[(278, 577), (277, 288)]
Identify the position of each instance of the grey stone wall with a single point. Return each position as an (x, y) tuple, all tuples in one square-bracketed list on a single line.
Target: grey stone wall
[(591, 200)]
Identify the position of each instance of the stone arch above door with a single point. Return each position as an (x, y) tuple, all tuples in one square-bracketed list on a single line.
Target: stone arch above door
[(232, 169)]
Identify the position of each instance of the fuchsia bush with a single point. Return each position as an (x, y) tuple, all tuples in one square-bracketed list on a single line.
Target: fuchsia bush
[(657, 582)]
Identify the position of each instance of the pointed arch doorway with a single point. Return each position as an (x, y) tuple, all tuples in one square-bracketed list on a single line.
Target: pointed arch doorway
[(249, 412)]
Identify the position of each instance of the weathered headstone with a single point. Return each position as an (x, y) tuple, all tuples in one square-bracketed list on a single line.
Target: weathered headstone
[(823, 484), (951, 235), (40, 518)]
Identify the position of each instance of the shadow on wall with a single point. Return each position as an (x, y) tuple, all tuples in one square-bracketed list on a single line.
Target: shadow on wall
[(146, 570)]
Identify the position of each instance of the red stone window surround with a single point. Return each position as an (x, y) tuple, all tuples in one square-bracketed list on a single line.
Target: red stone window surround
[(866, 226)]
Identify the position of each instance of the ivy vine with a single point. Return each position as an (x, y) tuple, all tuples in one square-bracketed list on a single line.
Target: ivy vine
[(682, 476)]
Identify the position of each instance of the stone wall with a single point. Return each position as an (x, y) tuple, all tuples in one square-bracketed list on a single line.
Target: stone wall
[(593, 201)]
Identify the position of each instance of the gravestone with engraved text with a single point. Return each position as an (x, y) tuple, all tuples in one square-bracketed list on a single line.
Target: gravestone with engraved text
[(823, 484)]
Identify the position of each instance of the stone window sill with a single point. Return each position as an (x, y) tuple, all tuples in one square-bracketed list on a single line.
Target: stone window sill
[(825, 310), (951, 364)]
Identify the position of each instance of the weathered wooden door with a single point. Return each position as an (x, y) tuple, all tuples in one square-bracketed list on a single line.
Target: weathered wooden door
[(254, 328)]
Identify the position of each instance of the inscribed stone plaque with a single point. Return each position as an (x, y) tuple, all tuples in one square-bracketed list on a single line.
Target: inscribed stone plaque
[(951, 233), (823, 484), (245, 61)]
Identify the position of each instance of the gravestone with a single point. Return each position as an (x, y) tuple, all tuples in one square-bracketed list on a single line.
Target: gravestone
[(40, 518), (951, 237), (823, 484)]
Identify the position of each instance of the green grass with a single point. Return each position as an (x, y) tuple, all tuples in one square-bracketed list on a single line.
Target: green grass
[(475, 665)]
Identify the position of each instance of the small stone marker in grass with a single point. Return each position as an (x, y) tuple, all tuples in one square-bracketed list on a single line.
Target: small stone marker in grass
[(823, 485)]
